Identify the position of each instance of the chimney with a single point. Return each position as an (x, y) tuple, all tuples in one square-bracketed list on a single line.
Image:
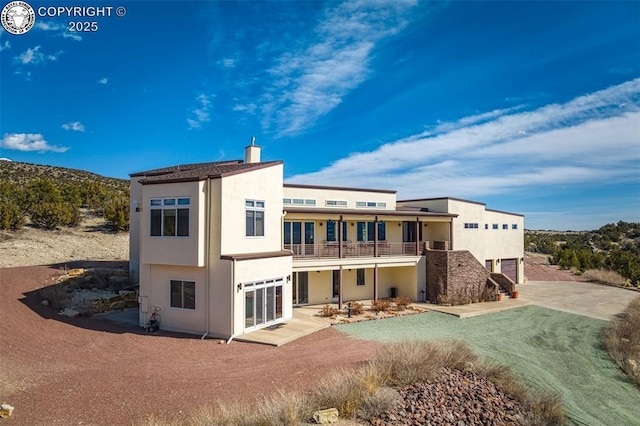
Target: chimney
[(252, 152)]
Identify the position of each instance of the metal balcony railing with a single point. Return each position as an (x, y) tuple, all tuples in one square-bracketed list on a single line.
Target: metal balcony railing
[(331, 250)]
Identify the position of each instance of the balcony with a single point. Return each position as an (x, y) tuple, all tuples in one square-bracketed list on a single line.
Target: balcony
[(332, 250)]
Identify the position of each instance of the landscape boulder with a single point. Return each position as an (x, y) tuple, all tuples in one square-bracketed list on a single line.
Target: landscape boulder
[(6, 410), (71, 313), (325, 417)]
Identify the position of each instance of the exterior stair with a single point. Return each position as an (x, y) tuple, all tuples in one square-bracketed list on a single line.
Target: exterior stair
[(504, 294)]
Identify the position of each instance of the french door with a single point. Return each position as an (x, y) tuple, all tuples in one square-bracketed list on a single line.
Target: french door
[(262, 303), (299, 237), (300, 288)]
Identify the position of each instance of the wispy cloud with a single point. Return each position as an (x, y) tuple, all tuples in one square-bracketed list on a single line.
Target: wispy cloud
[(74, 125), (103, 80), (592, 138), (200, 112), (28, 142), (311, 80), (58, 29), (35, 56), (228, 62), (4, 46)]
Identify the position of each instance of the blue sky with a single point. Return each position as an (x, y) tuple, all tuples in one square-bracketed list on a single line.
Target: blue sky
[(530, 107)]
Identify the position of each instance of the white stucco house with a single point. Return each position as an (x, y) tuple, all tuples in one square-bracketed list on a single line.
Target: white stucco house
[(222, 249)]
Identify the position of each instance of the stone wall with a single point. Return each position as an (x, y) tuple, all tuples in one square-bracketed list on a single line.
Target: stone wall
[(504, 282), (457, 278)]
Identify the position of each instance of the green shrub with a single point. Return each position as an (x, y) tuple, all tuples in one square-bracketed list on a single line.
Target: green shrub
[(11, 215), (116, 212)]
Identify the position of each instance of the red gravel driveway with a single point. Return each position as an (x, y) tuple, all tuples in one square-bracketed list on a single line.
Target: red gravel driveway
[(56, 370)]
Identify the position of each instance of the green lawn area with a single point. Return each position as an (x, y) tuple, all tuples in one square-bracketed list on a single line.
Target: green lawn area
[(547, 349)]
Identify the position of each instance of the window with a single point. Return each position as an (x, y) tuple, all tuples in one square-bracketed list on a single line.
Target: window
[(365, 231), (183, 294), (298, 202), (335, 203), (486, 226), (514, 226), (170, 217), (254, 212), (494, 226), (359, 276), (371, 204), (470, 226), (332, 230), (505, 226)]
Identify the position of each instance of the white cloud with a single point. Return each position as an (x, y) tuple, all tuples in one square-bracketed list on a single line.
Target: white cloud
[(35, 56), (201, 112), (103, 80), (6, 45), (49, 26), (312, 80), (59, 29), (74, 125), (228, 62), (28, 142), (592, 138)]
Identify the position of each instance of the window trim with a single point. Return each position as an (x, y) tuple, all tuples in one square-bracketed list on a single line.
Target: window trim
[(371, 204), (195, 304), (336, 203), (163, 204), (254, 205), (471, 225)]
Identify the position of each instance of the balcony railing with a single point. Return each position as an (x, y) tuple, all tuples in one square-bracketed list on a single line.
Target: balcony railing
[(352, 249)]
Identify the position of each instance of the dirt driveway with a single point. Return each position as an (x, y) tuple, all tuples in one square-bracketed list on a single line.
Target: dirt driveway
[(86, 371), (582, 298)]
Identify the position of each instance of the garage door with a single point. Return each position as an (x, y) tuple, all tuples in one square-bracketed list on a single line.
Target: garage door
[(508, 267)]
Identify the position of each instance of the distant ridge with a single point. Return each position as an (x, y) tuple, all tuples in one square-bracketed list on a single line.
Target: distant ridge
[(23, 173)]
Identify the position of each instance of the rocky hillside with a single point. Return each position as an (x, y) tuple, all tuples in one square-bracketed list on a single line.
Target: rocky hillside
[(24, 173)]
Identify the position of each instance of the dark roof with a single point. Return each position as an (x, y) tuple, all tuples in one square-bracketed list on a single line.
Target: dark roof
[(370, 212), (442, 198), (199, 171), (503, 212), (295, 185)]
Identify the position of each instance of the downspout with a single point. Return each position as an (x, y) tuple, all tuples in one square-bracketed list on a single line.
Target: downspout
[(451, 234), (207, 251), (234, 290), (284, 213)]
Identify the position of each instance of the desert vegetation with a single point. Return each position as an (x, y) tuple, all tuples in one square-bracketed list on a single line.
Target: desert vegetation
[(613, 247), (622, 340), (378, 388), (52, 197)]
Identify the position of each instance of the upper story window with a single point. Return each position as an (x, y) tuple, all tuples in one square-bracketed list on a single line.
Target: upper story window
[(298, 202), (486, 226), (335, 203), (170, 217), (254, 214), (371, 204), (365, 231), (514, 226), (494, 226), (505, 226), (470, 226)]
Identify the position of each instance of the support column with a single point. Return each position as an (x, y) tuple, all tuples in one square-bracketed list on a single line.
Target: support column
[(375, 237), (417, 236), (340, 238), (340, 288), (375, 282), (451, 234)]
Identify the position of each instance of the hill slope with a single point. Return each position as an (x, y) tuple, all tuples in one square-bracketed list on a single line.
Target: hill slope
[(23, 173)]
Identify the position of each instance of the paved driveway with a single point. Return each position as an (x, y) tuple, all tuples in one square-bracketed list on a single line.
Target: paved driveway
[(582, 298)]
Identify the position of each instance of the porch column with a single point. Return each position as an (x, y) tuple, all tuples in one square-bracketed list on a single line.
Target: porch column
[(451, 234), (375, 282), (340, 238), (417, 236), (340, 288), (375, 237)]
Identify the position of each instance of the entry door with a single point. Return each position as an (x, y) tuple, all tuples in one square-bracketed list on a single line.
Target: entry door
[(300, 288), (262, 303)]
